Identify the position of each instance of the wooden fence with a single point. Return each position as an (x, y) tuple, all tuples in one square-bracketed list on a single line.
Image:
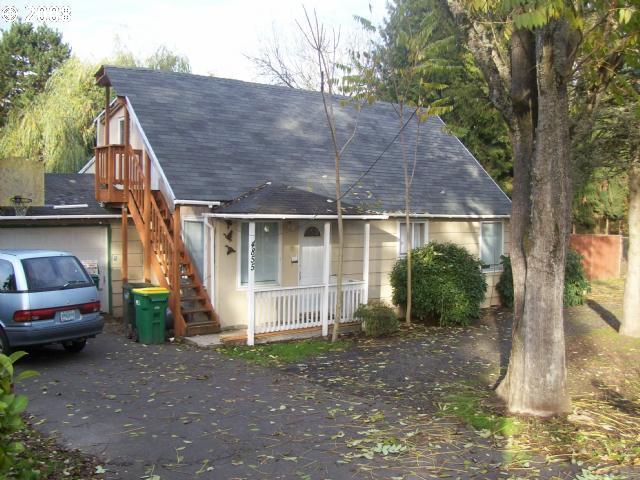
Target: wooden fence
[(602, 255)]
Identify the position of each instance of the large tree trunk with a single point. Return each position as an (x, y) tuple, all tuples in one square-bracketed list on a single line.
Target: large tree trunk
[(535, 382), (631, 309)]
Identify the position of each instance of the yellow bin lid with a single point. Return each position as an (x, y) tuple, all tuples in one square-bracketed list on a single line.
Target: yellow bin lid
[(150, 290)]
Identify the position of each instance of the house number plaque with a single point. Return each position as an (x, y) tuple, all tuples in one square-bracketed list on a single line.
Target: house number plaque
[(252, 262)]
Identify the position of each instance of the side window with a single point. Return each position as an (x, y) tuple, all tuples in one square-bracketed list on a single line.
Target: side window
[(7, 277), (121, 130), (419, 236), (491, 245)]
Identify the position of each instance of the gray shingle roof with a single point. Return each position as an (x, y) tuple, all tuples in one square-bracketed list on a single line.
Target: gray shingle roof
[(278, 199), (66, 189), (217, 138)]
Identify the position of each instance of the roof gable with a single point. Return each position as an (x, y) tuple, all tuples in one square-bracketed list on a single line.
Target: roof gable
[(217, 138)]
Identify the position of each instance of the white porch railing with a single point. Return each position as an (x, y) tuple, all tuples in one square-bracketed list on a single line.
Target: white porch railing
[(290, 308)]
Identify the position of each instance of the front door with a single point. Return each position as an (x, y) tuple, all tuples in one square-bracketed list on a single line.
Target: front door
[(311, 253)]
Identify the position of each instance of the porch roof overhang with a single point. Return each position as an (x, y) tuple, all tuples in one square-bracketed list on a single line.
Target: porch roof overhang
[(446, 215), (287, 216), (279, 201)]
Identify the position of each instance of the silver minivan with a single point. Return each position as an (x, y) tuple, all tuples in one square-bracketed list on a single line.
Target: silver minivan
[(46, 297)]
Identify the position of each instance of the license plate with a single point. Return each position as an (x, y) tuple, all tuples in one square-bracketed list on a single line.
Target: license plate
[(67, 315)]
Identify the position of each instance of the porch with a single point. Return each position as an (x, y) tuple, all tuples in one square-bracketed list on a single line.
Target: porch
[(310, 306), (279, 276)]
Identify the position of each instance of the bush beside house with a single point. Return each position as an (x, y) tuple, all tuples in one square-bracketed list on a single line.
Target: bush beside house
[(448, 284), (576, 285), (378, 319)]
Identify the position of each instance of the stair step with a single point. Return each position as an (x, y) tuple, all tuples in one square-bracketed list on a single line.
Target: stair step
[(191, 298), (188, 311), (202, 328)]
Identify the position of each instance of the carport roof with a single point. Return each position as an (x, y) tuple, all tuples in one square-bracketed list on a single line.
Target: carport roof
[(64, 189)]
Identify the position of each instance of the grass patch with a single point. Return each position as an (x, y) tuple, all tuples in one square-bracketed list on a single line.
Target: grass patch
[(605, 429), (468, 403), (284, 352)]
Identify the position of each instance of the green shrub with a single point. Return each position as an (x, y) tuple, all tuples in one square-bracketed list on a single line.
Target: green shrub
[(378, 319), (576, 285), (504, 287), (447, 284), (11, 406)]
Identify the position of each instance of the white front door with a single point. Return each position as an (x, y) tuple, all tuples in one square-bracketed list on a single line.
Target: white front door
[(311, 253)]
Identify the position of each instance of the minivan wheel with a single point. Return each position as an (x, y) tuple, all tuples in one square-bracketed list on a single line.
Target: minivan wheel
[(74, 346), (5, 348)]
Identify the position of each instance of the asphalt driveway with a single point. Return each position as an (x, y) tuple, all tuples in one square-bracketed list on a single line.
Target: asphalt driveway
[(179, 413), (175, 412), (182, 413)]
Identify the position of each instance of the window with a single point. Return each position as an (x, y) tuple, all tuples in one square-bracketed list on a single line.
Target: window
[(267, 252), (54, 273), (7, 277), (121, 130), (193, 232), (419, 236), (312, 232), (490, 245)]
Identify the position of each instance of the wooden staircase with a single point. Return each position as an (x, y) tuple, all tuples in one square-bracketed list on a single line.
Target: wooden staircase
[(159, 231)]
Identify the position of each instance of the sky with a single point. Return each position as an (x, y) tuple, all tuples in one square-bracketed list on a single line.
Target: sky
[(215, 35)]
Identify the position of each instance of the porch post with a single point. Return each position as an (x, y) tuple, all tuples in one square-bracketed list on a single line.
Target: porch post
[(176, 275), (146, 219), (107, 113), (125, 243), (326, 264), (365, 261), (127, 150), (251, 258)]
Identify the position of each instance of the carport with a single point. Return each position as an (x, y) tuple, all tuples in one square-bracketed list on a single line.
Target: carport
[(72, 221), (90, 243)]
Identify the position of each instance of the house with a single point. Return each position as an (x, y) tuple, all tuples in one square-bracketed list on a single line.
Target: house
[(230, 186), (72, 220)]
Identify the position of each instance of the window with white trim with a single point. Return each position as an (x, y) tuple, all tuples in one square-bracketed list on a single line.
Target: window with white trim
[(419, 236), (267, 252), (121, 130), (491, 243)]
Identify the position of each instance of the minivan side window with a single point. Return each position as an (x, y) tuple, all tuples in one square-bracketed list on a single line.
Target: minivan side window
[(54, 273), (7, 277)]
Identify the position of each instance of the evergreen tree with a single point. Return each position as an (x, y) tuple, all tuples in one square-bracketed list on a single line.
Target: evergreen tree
[(474, 119), (28, 57)]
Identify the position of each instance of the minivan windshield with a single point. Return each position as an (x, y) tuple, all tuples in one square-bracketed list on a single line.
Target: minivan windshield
[(55, 273)]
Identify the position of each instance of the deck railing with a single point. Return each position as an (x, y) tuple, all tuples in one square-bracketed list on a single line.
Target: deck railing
[(289, 308), (109, 172)]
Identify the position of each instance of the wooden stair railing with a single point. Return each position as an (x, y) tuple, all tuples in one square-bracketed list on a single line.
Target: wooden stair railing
[(170, 260)]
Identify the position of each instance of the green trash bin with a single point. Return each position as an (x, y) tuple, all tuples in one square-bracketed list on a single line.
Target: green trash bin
[(151, 307), (129, 309)]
